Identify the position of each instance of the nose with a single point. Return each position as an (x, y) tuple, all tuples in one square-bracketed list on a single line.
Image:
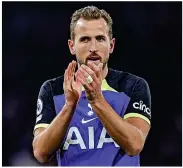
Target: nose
[(93, 46)]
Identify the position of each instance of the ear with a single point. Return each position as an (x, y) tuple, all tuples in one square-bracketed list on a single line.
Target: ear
[(71, 47), (112, 44)]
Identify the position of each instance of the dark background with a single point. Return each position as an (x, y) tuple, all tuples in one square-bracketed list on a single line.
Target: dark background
[(148, 44)]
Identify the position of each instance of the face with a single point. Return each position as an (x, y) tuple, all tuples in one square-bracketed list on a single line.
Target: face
[(91, 42)]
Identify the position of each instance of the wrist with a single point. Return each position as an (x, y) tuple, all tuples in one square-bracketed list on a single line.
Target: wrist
[(70, 105), (99, 101)]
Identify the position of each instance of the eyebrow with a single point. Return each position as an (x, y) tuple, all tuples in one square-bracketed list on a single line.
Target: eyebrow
[(84, 37), (98, 36)]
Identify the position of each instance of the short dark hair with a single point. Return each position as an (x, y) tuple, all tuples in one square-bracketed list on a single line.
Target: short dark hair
[(90, 13)]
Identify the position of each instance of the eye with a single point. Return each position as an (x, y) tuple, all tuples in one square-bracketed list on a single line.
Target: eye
[(100, 38), (84, 39)]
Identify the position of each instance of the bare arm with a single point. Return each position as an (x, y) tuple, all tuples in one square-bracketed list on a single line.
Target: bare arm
[(48, 140), (130, 134)]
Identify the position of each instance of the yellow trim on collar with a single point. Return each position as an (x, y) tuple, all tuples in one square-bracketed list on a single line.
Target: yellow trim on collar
[(105, 86)]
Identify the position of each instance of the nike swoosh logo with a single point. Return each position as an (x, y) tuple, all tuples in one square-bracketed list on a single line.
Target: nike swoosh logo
[(86, 121)]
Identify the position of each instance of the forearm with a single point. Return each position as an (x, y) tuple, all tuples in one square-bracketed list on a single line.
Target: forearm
[(126, 135), (49, 140)]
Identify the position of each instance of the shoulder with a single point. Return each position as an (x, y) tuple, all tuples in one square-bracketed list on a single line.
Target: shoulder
[(54, 85), (125, 82)]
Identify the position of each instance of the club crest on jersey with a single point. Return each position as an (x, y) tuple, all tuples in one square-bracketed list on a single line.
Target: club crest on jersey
[(39, 106), (90, 113)]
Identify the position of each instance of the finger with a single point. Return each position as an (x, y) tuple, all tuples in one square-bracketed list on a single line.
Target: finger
[(100, 66), (73, 65), (76, 74), (101, 69), (66, 83), (83, 72), (69, 71), (71, 85), (84, 75), (72, 69), (81, 75), (87, 87), (95, 68), (78, 82), (89, 71), (65, 76)]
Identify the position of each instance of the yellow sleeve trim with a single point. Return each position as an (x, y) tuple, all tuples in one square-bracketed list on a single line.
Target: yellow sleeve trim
[(137, 115), (41, 126)]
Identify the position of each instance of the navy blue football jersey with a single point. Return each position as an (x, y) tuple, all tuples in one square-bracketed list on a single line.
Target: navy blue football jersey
[(87, 142)]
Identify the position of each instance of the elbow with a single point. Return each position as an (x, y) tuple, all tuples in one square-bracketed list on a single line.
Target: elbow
[(39, 154), (134, 149)]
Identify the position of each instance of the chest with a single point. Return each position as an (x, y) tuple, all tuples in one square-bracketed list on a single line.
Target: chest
[(85, 115), (85, 129)]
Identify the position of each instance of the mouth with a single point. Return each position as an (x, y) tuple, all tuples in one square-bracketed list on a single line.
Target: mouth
[(95, 59)]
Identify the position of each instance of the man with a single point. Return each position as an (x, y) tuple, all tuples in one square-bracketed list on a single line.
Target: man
[(101, 116)]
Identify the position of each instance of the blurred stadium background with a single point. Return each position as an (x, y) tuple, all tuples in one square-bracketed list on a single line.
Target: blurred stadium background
[(34, 49)]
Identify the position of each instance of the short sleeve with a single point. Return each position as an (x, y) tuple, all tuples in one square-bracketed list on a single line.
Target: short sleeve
[(45, 112), (140, 102)]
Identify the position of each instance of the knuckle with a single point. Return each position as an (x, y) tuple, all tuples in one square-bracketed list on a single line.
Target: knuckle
[(92, 73)]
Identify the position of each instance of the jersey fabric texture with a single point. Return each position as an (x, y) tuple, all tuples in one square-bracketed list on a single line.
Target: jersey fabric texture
[(87, 142)]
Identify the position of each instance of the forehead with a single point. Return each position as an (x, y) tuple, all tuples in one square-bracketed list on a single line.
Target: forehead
[(91, 27)]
